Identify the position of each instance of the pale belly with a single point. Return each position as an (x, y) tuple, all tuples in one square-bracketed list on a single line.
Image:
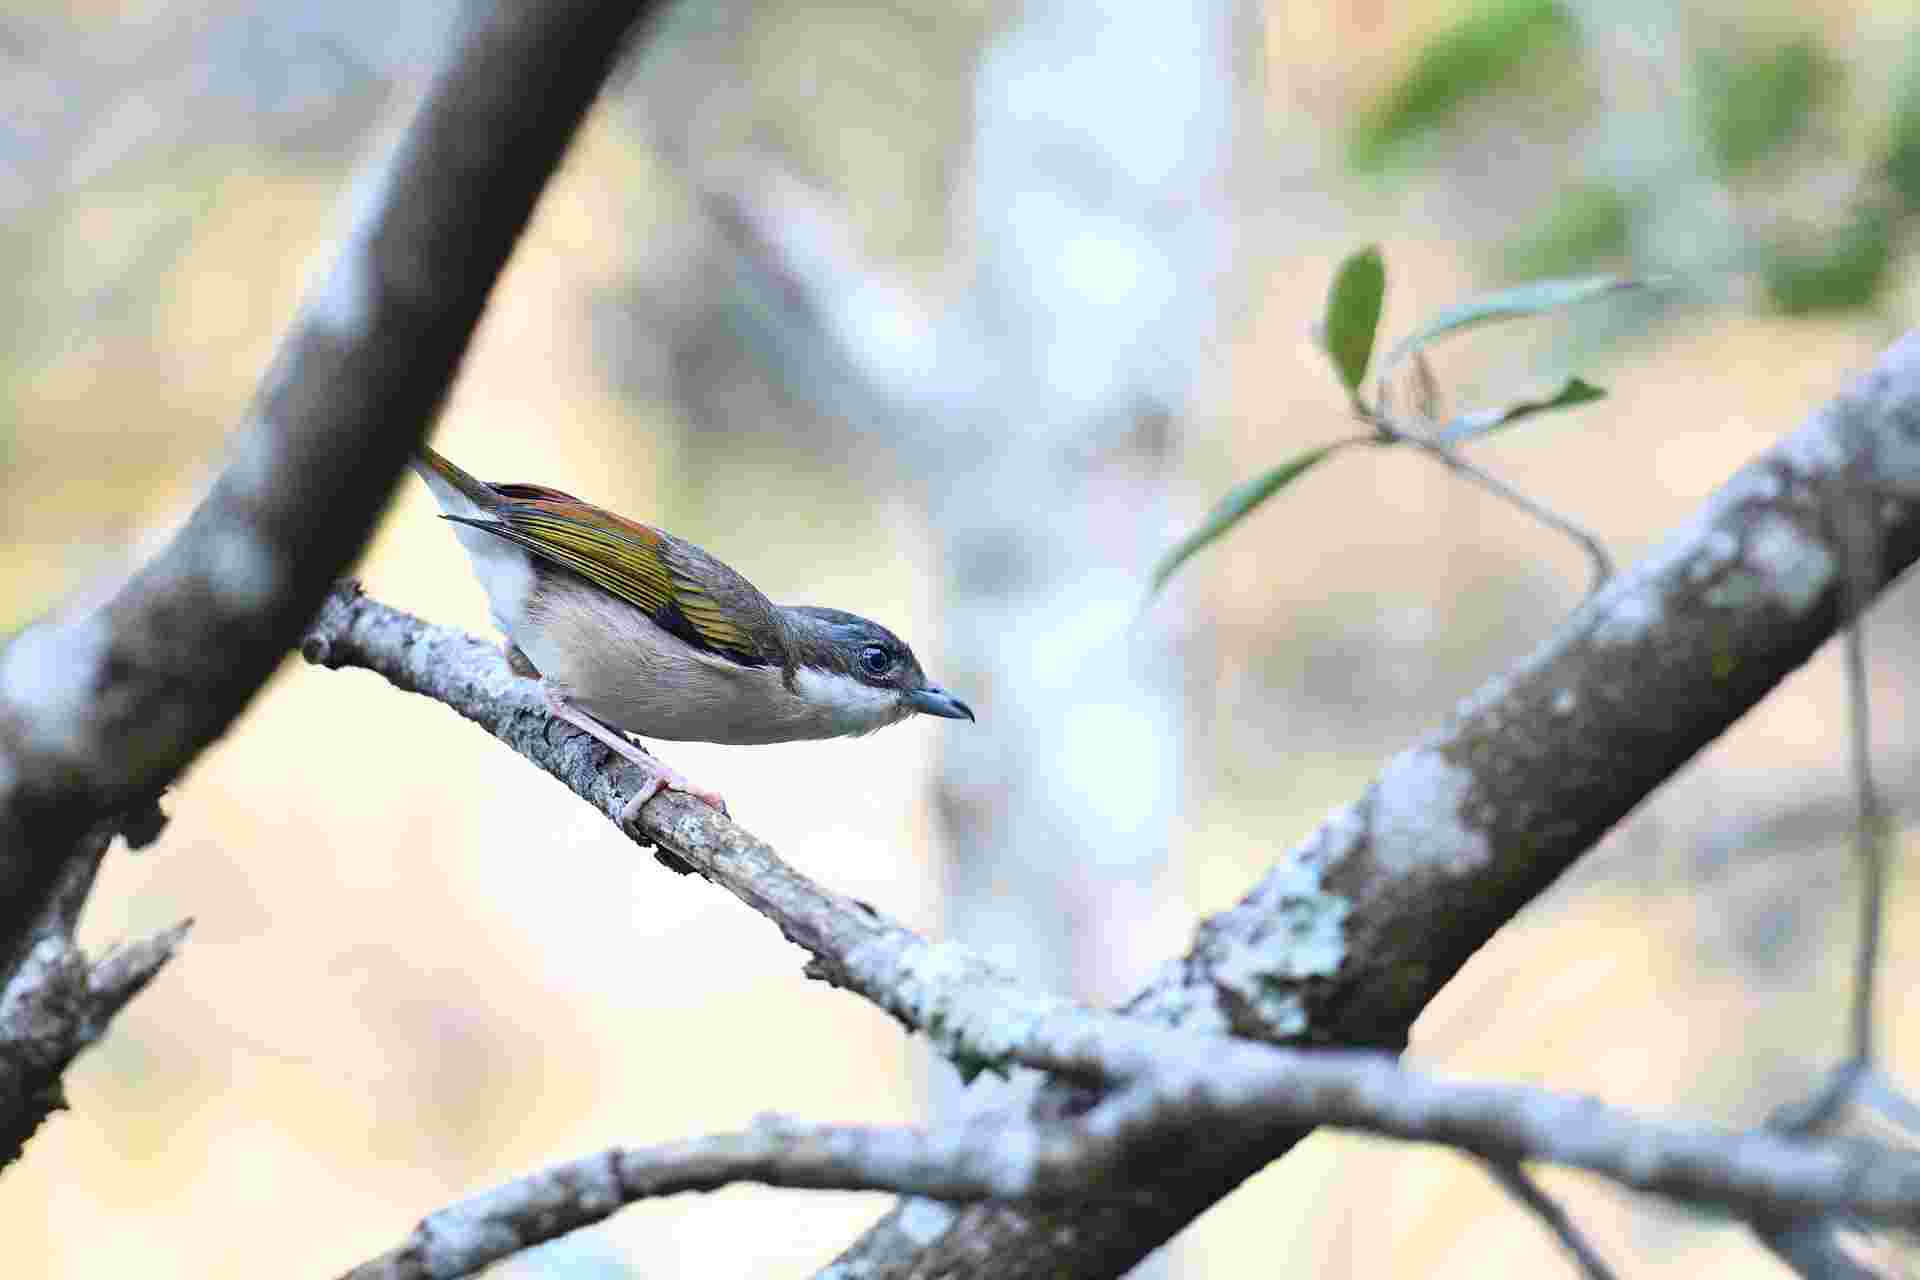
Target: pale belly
[(613, 662)]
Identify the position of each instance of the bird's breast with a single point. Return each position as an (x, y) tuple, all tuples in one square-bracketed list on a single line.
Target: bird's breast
[(614, 662)]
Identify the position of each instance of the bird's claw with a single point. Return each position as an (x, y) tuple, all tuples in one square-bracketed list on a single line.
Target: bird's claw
[(710, 798), (630, 811), (661, 778), (658, 775)]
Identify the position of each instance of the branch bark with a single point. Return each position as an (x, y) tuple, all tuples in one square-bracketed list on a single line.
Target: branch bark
[(1180, 1095), (1346, 939), (1098, 1159), (107, 702), (58, 1002), (1357, 927), (975, 1014)]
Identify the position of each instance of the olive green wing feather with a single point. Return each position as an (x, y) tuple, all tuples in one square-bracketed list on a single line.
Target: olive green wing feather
[(653, 571)]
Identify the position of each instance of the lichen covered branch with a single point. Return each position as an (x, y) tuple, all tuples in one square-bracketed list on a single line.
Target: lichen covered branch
[(57, 1002), (1113, 1156), (1170, 1097), (1356, 928), (107, 701), (104, 703)]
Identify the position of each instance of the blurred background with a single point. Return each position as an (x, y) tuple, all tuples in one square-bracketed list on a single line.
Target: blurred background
[(1060, 263)]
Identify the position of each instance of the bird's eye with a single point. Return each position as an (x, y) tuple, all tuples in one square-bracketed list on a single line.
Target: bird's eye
[(875, 661)]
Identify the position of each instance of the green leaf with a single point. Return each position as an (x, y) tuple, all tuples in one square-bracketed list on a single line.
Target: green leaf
[(1480, 422), (1833, 268), (1235, 507), (1491, 45), (1900, 157), (1757, 99), (1353, 314), (1588, 226), (1516, 303)]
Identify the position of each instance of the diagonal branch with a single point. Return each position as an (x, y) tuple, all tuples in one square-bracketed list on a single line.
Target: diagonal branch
[(958, 1164), (1356, 928), (974, 1013), (104, 704), (1180, 1094), (1113, 1154), (57, 1002)]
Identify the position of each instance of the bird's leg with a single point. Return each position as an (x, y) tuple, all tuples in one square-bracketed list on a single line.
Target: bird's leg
[(519, 663), (659, 776)]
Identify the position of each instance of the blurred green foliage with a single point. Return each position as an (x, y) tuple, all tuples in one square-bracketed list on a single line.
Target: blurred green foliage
[(1588, 225), (1348, 332), (1756, 100), (1479, 53), (1834, 268), (1901, 164), (1755, 94)]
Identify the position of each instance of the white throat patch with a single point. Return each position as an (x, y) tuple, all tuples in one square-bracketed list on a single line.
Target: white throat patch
[(849, 706)]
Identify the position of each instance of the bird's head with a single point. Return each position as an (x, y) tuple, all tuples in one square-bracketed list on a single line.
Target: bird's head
[(859, 674)]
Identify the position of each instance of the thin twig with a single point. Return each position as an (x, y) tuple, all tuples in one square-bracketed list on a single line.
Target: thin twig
[(1857, 1080), (1362, 953), (1389, 429), (1182, 1086), (55, 1002), (1816, 1112), (1818, 1245), (1531, 1194), (105, 703), (969, 1162), (1108, 1154), (1824, 1247), (974, 1012), (1857, 543), (1596, 553)]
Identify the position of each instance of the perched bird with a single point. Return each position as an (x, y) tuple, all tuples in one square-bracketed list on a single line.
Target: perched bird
[(632, 630)]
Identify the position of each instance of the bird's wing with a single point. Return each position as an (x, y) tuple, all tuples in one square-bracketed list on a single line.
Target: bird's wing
[(649, 569)]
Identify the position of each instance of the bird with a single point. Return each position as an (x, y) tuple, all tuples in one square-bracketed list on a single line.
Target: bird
[(630, 630)]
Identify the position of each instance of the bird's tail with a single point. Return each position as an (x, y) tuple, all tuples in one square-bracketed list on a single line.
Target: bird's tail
[(458, 493)]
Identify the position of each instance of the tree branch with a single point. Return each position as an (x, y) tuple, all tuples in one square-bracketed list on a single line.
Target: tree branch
[(105, 703), (57, 1003), (975, 1014), (954, 1164), (1350, 935), (1114, 1155), (1355, 929), (1182, 1095)]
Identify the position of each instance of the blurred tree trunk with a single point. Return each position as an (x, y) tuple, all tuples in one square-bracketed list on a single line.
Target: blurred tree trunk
[(1102, 140), (1034, 414)]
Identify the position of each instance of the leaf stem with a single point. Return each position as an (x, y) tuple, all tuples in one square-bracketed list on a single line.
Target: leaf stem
[(1389, 432)]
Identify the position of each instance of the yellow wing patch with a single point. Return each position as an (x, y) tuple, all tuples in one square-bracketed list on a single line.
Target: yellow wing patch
[(629, 561)]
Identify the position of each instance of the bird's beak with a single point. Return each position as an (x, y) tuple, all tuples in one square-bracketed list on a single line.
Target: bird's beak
[(935, 701)]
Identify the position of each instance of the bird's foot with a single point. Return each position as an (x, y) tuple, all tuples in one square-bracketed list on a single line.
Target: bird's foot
[(659, 776), (520, 664)]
